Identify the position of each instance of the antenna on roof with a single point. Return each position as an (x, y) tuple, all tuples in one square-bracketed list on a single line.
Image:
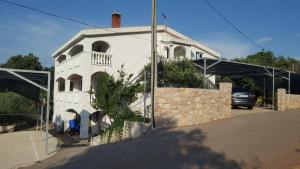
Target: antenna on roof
[(165, 18)]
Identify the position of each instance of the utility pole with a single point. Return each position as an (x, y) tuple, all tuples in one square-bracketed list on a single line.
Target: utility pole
[(273, 95), (153, 62), (145, 97), (265, 92), (293, 67)]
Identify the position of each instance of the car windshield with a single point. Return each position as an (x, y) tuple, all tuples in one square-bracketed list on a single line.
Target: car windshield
[(238, 89)]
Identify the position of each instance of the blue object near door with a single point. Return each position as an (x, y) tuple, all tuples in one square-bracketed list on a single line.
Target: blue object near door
[(73, 125)]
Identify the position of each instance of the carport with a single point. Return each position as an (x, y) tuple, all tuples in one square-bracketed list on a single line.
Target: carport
[(227, 68), (28, 83)]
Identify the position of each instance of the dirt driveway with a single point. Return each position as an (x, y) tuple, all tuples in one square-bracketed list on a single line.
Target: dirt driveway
[(268, 140)]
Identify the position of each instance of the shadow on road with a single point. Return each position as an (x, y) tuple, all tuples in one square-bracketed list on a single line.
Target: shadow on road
[(160, 149)]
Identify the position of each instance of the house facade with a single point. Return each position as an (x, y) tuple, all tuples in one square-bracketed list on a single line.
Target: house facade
[(92, 52)]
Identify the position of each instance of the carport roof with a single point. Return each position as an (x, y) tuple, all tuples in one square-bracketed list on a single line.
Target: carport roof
[(231, 68), (24, 82)]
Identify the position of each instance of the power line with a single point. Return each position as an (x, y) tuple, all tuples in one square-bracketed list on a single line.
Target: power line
[(65, 18), (94, 26), (78, 22), (232, 25)]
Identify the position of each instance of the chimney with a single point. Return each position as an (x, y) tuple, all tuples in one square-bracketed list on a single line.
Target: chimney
[(116, 20)]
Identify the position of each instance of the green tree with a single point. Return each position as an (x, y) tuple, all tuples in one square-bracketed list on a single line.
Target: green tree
[(269, 59), (266, 59), (13, 103), (29, 62), (113, 97), (172, 73)]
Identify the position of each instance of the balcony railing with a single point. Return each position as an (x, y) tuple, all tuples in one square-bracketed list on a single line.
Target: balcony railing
[(102, 59)]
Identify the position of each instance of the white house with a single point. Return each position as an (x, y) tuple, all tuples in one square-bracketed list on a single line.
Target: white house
[(92, 52)]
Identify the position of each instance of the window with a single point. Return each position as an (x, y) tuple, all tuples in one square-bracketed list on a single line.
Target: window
[(76, 85), (75, 82), (179, 52), (199, 55), (76, 50), (61, 58), (95, 77), (71, 85), (166, 52), (100, 46), (61, 84), (80, 85)]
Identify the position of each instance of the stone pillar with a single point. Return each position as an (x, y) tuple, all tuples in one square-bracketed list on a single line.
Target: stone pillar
[(225, 96), (281, 99)]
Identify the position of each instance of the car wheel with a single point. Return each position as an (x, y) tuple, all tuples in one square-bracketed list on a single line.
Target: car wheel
[(234, 107), (250, 108)]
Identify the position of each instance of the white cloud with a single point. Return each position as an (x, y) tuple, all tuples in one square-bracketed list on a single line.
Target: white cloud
[(264, 39), (228, 46)]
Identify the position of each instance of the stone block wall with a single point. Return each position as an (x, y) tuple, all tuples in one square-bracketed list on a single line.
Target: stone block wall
[(130, 130), (287, 101), (106, 138), (135, 129), (190, 106)]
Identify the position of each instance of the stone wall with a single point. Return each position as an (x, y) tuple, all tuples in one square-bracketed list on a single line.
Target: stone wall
[(189, 106), (287, 101), (135, 129), (130, 130), (106, 138)]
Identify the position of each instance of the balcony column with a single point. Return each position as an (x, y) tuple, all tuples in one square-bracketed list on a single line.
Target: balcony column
[(67, 85), (86, 83), (171, 52), (188, 53)]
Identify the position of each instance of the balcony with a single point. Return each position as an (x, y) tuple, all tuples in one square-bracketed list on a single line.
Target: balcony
[(101, 59)]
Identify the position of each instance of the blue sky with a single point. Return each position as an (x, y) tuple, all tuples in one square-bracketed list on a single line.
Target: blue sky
[(273, 24)]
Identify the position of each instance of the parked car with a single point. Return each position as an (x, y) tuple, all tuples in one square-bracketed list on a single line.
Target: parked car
[(242, 97)]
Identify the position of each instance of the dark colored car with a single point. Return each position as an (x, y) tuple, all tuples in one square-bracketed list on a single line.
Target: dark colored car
[(242, 97)]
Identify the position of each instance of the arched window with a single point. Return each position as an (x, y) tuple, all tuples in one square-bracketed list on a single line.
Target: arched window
[(179, 52), (61, 84), (166, 52), (94, 78), (61, 58), (75, 82), (100, 46), (75, 50)]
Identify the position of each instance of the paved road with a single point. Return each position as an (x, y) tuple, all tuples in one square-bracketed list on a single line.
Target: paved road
[(242, 111), (268, 140), (24, 148)]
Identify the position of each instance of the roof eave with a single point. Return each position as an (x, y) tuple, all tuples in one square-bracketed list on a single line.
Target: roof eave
[(84, 33)]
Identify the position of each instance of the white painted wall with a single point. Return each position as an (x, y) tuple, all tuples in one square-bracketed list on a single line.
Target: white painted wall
[(131, 50)]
